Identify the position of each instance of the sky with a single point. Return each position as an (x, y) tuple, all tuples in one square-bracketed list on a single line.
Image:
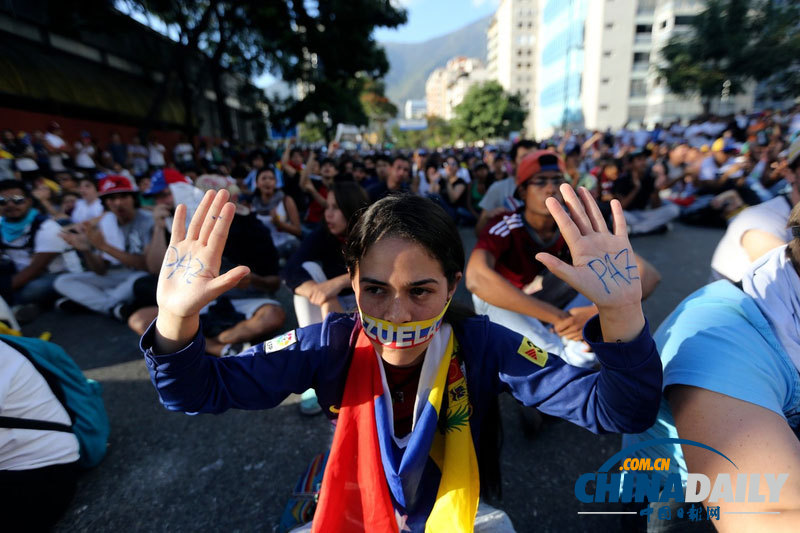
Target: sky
[(431, 18)]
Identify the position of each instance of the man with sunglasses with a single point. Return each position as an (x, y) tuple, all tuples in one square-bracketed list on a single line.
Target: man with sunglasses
[(31, 251), (514, 289)]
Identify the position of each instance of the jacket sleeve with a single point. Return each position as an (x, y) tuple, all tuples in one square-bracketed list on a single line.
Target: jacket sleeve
[(622, 397), (258, 378)]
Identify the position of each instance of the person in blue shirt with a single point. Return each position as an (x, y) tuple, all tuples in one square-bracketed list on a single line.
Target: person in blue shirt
[(731, 357), (405, 259)]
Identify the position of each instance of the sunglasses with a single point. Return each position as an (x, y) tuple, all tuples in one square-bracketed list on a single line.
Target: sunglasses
[(16, 200), (542, 182)]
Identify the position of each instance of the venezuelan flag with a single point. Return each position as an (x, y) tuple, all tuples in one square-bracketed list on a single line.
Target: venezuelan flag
[(427, 481)]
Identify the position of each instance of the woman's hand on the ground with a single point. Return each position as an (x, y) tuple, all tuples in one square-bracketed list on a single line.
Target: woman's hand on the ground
[(603, 263), (189, 277)]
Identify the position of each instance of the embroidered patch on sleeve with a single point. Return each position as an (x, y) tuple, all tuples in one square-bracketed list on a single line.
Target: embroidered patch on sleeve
[(280, 342), (531, 352)]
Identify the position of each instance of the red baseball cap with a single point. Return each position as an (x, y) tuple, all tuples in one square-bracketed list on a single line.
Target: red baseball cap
[(113, 184), (539, 161)]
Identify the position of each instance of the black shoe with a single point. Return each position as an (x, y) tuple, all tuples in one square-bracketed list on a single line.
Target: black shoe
[(26, 312), (122, 312), (65, 305)]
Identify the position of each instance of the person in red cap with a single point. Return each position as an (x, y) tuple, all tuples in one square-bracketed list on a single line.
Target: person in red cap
[(514, 289), (113, 249)]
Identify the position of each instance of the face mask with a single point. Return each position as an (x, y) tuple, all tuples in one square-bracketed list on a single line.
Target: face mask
[(404, 335)]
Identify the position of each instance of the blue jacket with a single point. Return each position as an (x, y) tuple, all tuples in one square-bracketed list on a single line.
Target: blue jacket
[(623, 396)]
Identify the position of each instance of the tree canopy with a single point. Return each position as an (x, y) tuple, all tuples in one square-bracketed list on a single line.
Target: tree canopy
[(488, 112), (325, 47)]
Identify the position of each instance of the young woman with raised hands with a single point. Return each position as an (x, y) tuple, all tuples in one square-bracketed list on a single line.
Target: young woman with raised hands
[(411, 381)]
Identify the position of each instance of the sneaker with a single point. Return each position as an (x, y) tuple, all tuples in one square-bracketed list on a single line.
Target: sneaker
[(122, 312), (309, 405), (66, 305), (26, 312)]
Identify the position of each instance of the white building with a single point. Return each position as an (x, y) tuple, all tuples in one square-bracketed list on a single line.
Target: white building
[(673, 17), (415, 109), (597, 64), (446, 87), (511, 51)]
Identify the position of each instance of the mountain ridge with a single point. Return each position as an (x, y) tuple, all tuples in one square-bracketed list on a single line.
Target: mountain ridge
[(410, 64)]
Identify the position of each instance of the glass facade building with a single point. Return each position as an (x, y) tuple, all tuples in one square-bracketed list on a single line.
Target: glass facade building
[(561, 43)]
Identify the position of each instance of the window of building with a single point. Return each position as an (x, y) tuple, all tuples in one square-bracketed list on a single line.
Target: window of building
[(607, 53), (663, 24), (684, 20), (641, 57), (519, 65), (609, 25), (603, 107), (644, 28), (528, 65), (638, 88), (604, 81)]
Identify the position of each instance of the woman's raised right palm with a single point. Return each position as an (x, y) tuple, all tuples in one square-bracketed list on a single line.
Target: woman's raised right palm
[(189, 277)]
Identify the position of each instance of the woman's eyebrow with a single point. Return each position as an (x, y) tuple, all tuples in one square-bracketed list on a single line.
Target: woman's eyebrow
[(412, 284)]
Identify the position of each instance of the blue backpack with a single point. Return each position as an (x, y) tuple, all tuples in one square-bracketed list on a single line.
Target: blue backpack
[(81, 397)]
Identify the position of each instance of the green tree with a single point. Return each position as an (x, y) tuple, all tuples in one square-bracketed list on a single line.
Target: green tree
[(326, 47), (488, 112), (731, 43)]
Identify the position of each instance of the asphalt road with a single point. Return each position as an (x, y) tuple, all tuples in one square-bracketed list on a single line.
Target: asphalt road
[(233, 472)]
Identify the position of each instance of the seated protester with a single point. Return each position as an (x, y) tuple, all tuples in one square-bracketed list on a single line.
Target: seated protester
[(49, 202), (316, 272), (33, 252), (499, 198), (636, 192), (451, 192), (89, 205), (38, 468), (396, 180), (113, 249), (361, 176), (512, 287), (429, 181), (405, 260), (244, 314), (758, 229), (317, 188), (731, 359), (277, 212), (477, 188), (69, 200), (67, 182)]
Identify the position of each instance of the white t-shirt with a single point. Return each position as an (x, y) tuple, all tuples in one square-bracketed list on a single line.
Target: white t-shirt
[(184, 152), (730, 258), (83, 156), (500, 194), (24, 393), (46, 240), (84, 211), (156, 155), (56, 163)]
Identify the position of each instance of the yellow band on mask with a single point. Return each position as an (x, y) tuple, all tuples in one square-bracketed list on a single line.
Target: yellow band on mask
[(403, 335)]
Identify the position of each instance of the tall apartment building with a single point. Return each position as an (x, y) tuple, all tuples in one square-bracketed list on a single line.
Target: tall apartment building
[(511, 51), (595, 57), (446, 87), (598, 64)]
